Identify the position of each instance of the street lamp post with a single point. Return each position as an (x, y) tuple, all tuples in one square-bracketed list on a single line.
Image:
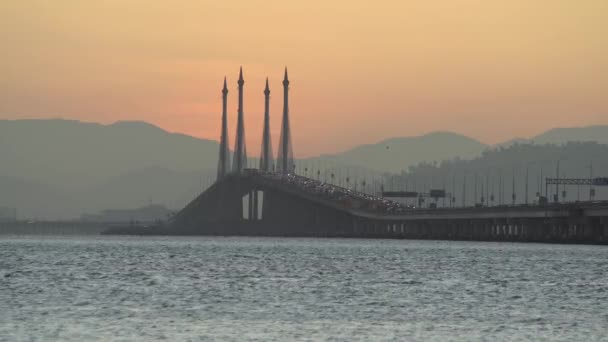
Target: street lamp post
[(591, 189)]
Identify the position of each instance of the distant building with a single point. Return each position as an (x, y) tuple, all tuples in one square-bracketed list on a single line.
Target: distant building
[(8, 214), (151, 213)]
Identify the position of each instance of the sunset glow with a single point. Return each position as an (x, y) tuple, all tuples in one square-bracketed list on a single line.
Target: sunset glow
[(360, 71)]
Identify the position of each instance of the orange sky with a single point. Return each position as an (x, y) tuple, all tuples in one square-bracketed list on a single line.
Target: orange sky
[(360, 71)]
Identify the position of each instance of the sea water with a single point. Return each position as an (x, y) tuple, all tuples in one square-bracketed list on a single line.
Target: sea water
[(273, 289)]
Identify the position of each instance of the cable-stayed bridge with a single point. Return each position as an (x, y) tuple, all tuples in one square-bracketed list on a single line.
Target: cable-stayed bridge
[(271, 200)]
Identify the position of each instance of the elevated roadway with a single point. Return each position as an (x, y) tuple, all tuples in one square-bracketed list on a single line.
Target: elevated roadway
[(262, 203)]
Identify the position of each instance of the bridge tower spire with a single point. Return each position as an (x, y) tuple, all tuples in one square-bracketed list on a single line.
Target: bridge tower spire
[(223, 166), (240, 151), (266, 162), (285, 162)]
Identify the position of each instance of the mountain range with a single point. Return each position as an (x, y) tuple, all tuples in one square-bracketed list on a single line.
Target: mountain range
[(62, 168)]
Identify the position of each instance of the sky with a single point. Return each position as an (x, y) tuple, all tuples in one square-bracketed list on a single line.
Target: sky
[(360, 71)]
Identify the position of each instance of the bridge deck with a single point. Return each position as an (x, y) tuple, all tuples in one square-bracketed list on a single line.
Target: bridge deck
[(374, 207), (292, 205)]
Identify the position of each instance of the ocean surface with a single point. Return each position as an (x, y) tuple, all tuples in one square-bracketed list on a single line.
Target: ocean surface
[(272, 289)]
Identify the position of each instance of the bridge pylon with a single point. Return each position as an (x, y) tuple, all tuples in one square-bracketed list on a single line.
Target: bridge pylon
[(240, 150), (285, 162), (223, 165), (266, 160)]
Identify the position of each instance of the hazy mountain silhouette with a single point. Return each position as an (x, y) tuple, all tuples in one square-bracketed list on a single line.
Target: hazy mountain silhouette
[(174, 189), (598, 134), (65, 167), (512, 142), (62, 168), (396, 154), (560, 136), (36, 200), (498, 170), (72, 154)]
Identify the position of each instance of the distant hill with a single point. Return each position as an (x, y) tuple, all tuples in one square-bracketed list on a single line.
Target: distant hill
[(597, 134), (397, 154), (512, 142), (63, 168), (559, 136), (497, 171), (36, 200), (145, 186), (73, 154)]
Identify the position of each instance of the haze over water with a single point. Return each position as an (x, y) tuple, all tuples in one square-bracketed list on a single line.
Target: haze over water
[(127, 288)]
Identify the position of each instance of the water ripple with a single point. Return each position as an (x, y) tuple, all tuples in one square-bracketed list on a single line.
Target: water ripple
[(238, 289)]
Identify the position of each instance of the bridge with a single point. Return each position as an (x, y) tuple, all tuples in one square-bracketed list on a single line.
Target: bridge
[(271, 200), (258, 203)]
